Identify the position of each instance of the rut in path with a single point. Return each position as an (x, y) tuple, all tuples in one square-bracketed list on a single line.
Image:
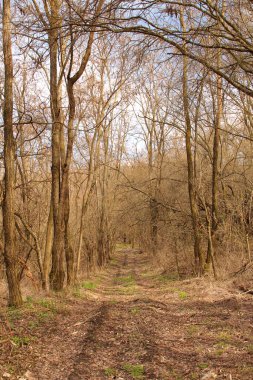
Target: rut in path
[(116, 337), (137, 324)]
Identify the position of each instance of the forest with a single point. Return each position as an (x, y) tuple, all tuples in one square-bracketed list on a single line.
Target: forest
[(126, 184)]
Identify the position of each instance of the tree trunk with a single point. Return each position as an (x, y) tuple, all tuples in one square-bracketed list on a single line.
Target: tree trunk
[(199, 262), (103, 232), (57, 274), (61, 165), (154, 213), (68, 248), (47, 261), (10, 254), (214, 210), (85, 201)]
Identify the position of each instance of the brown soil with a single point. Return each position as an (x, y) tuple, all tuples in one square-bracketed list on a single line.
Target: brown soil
[(131, 323)]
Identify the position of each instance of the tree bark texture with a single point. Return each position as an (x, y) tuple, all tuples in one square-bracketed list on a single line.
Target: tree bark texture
[(10, 256)]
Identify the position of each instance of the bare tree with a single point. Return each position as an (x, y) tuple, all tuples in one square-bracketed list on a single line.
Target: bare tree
[(10, 253)]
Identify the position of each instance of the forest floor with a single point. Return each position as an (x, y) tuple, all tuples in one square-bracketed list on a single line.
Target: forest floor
[(130, 322)]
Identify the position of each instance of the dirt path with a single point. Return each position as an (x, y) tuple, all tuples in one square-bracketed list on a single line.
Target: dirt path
[(131, 323)]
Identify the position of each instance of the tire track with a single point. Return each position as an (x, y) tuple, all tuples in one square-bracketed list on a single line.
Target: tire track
[(80, 370)]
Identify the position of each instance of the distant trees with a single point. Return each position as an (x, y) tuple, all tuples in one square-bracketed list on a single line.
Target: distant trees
[(216, 35)]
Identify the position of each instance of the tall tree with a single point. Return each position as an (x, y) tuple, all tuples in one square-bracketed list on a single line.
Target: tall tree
[(62, 160), (199, 262), (10, 253)]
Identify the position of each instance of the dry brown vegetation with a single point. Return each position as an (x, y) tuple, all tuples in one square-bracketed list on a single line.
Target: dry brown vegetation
[(125, 124), (131, 322)]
